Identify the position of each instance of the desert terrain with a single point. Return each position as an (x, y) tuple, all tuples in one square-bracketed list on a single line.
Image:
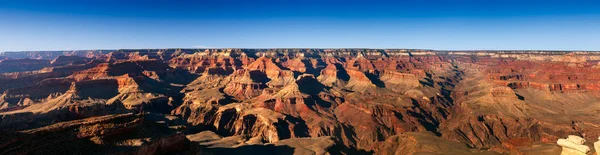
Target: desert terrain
[(297, 101)]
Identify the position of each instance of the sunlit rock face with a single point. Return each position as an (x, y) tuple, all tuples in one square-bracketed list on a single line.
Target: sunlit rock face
[(299, 101), (573, 145)]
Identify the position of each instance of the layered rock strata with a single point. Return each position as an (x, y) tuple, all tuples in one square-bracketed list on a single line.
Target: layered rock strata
[(349, 101)]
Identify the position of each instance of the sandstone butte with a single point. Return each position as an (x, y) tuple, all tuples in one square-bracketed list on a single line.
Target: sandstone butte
[(298, 101)]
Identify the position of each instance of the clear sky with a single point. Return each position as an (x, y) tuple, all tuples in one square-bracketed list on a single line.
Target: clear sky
[(424, 24)]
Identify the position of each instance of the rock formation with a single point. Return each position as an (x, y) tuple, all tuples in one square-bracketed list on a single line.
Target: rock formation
[(298, 101), (573, 145), (597, 146)]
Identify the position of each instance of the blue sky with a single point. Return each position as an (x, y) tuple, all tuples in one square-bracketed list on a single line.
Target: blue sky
[(424, 24)]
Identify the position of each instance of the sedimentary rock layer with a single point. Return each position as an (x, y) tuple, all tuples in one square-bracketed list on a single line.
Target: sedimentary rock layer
[(302, 101)]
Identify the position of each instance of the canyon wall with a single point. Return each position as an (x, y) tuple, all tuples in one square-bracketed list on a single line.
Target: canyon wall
[(352, 101)]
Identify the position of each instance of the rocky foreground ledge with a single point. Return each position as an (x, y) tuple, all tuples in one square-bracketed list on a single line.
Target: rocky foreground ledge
[(298, 101)]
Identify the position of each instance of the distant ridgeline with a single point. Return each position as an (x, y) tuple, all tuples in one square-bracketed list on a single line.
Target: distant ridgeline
[(285, 51)]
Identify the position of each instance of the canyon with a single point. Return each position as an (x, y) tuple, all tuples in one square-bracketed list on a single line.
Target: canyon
[(297, 101)]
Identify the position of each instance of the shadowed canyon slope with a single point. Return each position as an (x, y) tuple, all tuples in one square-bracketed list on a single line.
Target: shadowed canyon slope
[(296, 101)]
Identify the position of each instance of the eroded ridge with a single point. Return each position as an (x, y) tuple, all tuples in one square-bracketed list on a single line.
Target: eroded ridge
[(348, 101)]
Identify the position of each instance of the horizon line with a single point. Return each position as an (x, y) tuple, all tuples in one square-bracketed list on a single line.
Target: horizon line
[(269, 48)]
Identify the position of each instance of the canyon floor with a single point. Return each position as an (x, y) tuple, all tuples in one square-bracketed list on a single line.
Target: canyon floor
[(296, 101)]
